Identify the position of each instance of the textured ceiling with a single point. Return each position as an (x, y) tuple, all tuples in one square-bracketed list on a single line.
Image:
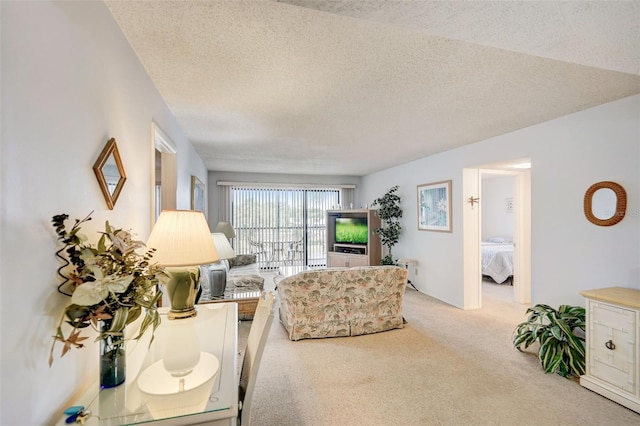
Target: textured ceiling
[(352, 87)]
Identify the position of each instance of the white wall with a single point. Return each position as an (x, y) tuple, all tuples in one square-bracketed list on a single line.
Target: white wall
[(569, 253), (496, 220), (70, 81)]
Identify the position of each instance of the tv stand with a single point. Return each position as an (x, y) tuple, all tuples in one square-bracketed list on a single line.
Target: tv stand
[(350, 255), (350, 248)]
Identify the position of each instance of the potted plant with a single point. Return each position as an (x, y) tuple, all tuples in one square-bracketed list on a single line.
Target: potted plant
[(110, 285), (561, 337), (390, 212)]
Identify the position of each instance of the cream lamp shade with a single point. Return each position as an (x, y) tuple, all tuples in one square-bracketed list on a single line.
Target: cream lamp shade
[(182, 238), (226, 229), (225, 251)]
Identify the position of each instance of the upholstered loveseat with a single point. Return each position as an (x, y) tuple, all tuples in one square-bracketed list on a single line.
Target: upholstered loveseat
[(342, 301)]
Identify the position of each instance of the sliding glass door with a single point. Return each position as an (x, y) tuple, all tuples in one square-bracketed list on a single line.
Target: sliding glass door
[(282, 226)]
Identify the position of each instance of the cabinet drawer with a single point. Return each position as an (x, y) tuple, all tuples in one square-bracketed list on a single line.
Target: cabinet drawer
[(355, 260), (612, 345), (613, 316), (341, 260)]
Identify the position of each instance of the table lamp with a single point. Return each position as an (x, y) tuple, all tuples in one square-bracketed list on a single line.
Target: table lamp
[(225, 251), (226, 229), (182, 240)]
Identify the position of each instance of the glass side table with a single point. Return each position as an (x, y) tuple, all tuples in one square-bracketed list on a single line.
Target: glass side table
[(246, 298), (208, 393)]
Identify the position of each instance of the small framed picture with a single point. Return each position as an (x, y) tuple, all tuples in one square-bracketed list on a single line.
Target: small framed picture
[(434, 206), (197, 194), (508, 207)]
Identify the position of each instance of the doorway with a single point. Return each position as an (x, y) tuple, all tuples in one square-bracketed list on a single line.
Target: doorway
[(163, 173), (497, 229), (475, 230)]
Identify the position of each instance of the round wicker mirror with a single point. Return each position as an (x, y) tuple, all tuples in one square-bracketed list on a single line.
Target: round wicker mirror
[(605, 203)]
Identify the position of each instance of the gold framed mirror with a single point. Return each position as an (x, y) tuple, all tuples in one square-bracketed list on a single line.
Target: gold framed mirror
[(110, 173), (605, 203)]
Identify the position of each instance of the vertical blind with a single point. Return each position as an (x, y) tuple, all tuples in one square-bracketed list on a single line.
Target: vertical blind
[(282, 226)]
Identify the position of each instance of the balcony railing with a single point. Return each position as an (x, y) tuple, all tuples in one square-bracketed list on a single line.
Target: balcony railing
[(277, 247)]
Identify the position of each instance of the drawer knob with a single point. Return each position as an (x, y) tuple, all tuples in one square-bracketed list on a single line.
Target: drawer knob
[(610, 345)]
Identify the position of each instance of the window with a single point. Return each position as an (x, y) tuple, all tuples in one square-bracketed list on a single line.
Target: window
[(282, 226)]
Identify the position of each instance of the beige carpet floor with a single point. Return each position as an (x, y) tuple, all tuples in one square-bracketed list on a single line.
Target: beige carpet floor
[(446, 367)]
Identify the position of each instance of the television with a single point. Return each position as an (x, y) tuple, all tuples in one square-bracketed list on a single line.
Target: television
[(352, 230)]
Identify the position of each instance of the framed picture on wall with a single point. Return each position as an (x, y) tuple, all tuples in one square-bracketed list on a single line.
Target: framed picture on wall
[(197, 194), (434, 206)]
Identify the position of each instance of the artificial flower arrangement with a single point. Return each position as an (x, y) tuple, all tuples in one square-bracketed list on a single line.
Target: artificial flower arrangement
[(110, 283)]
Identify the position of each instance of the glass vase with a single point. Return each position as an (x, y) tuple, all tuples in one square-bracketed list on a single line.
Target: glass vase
[(113, 359)]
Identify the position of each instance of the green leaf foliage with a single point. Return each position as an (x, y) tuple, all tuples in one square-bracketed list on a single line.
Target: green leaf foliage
[(113, 281), (561, 337), (387, 260), (390, 212)]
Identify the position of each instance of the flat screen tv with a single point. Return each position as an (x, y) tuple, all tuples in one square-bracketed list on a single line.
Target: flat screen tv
[(351, 230)]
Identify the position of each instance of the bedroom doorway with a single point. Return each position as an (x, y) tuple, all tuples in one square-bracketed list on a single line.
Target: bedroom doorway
[(505, 201), (497, 230)]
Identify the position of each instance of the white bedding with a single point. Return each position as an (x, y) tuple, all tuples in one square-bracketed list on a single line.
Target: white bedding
[(497, 261)]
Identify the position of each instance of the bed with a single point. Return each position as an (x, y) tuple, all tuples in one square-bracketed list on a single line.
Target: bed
[(497, 261)]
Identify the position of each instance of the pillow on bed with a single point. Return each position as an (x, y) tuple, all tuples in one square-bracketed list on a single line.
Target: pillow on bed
[(495, 240)]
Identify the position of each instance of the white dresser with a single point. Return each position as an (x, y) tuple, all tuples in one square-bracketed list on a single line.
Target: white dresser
[(613, 344)]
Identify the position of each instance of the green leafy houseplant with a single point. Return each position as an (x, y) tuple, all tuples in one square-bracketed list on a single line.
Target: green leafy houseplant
[(390, 212), (109, 282), (561, 337)]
